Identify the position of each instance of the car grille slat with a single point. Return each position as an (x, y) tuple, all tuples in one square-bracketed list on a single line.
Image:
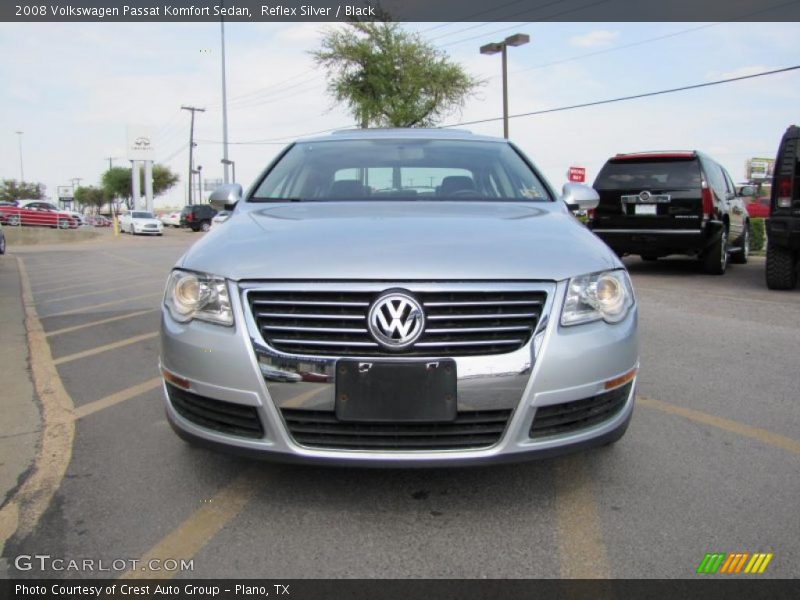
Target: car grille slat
[(321, 429), (569, 417), (458, 322), (217, 415)]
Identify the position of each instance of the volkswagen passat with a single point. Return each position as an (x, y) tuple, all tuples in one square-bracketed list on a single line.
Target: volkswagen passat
[(451, 309)]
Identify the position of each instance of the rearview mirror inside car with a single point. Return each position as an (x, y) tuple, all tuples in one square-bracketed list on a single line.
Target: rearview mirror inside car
[(579, 197), (226, 196)]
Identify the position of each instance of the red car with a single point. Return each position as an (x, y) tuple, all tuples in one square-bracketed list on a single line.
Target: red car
[(758, 209), (37, 213)]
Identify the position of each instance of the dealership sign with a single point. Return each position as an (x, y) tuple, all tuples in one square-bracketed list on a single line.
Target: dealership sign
[(577, 174), (140, 143), (759, 168), (65, 193)]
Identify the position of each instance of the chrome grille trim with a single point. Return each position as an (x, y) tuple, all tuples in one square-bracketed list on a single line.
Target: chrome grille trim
[(326, 319)]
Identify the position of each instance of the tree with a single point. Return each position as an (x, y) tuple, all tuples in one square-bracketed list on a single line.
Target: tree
[(11, 189), (388, 77), (117, 182), (91, 196)]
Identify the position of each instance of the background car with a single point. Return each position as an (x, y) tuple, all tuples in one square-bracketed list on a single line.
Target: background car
[(36, 212), (197, 217), (99, 221), (140, 221), (674, 202), (171, 219), (758, 208)]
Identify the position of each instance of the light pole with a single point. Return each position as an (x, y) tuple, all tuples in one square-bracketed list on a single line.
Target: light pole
[(21, 171), (518, 39), (227, 162)]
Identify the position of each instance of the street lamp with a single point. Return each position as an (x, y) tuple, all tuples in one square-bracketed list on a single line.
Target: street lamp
[(518, 39), (227, 162), (21, 171)]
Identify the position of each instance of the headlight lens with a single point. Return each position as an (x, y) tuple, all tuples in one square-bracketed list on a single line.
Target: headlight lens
[(198, 296), (607, 295)]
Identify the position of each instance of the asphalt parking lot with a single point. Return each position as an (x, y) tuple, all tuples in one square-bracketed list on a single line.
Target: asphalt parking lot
[(710, 463)]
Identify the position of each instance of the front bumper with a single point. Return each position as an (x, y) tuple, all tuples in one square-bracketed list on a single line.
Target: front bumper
[(559, 365), (140, 229)]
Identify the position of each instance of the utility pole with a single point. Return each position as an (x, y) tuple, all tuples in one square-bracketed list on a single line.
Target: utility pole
[(225, 160), (192, 109), (110, 160)]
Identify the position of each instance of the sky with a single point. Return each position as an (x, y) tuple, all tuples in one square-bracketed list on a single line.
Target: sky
[(72, 88)]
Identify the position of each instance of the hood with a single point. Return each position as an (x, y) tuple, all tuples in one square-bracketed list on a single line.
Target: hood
[(146, 220), (400, 241)]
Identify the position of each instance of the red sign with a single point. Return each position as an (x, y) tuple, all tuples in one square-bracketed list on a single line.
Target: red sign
[(577, 174)]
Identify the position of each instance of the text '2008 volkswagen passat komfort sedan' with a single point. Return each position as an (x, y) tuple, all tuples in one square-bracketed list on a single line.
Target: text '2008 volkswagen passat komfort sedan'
[(400, 297)]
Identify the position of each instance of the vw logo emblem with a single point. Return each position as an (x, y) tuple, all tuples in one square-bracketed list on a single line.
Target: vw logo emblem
[(396, 320), (645, 196)]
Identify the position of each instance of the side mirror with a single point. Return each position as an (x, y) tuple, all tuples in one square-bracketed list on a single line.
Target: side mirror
[(225, 196), (579, 197), (747, 190)]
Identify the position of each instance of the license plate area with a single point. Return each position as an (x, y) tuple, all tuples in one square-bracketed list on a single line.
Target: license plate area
[(645, 209), (396, 392)]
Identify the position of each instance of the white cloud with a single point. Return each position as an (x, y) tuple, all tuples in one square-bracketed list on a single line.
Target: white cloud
[(598, 37)]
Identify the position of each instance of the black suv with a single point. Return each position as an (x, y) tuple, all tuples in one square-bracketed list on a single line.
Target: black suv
[(676, 202), (783, 224), (197, 217)]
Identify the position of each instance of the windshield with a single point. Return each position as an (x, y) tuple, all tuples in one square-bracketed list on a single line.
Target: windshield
[(142, 215), (401, 170)]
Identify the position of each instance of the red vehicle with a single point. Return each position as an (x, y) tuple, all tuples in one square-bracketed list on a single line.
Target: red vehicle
[(758, 209), (99, 221), (42, 213)]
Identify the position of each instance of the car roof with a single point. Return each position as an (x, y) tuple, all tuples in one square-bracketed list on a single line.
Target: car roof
[(408, 133)]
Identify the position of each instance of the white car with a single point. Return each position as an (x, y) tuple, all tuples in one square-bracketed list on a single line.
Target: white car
[(171, 219), (139, 221)]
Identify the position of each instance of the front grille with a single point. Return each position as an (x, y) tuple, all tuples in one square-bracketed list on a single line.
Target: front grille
[(225, 417), (321, 429), (559, 419), (457, 323)]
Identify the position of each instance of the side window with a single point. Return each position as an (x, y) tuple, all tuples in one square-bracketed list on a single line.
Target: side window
[(728, 181), (714, 178)]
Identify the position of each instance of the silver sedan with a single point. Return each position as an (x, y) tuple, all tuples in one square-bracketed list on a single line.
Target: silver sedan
[(400, 297)]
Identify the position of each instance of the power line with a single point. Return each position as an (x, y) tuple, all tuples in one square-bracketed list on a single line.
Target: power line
[(623, 98)]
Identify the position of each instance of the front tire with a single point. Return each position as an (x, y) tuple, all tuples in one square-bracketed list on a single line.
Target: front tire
[(715, 259), (205, 226), (740, 257), (63, 224), (13, 221), (781, 268), (2, 245)]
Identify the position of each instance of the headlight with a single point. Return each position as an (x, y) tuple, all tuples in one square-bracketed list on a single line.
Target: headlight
[(198, 296), (607, 295)]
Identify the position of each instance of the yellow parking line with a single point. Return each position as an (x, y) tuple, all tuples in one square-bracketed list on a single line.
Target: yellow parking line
[(84, 309), (756, 433), (96, 292), (100, 322), (581, 550), (131, 392), (200, 527), (27, 505), (105, 348)]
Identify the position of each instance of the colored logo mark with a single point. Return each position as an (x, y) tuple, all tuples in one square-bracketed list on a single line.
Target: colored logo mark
[(734, 563)]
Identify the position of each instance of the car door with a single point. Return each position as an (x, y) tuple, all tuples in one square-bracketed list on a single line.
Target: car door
[(736, 208)]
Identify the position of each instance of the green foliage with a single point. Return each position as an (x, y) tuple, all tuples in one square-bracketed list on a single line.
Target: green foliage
[(117, 182), (11, 189), (91, 196), (757, 235), (388, 77)]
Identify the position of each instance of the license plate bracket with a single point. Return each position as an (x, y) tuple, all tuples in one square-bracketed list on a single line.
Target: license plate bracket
[(396, 392)]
